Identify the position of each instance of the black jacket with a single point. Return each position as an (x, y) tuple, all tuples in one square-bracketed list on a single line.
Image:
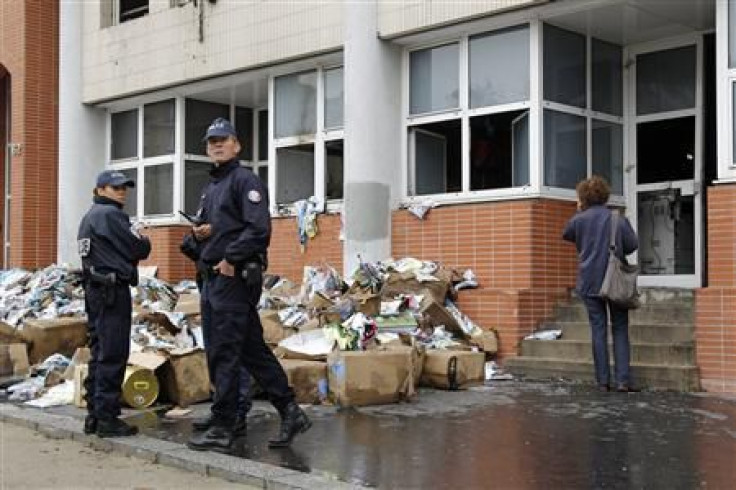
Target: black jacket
[(235, 204), (106, 241)]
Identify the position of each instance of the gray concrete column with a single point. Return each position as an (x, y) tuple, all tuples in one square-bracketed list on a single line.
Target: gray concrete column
[(81, 135), (373, 173)]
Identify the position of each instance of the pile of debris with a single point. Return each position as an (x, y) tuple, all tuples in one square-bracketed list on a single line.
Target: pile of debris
[(395, 326)]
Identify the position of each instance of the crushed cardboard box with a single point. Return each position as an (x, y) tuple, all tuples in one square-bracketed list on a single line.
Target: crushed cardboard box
[(54, 336), (273, 330), (308, 379), (371, 377), (453, 369), (14, 360)]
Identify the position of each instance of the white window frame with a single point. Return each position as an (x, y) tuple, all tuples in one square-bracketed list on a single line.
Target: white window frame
[(726, 77), (464, 113), (318, 139)]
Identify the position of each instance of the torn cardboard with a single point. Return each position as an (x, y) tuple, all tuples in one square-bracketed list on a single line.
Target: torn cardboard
[(54, 336), (453, 369), (184, 378), (273, 330), (308, 379), (14, 360), (372, 377)]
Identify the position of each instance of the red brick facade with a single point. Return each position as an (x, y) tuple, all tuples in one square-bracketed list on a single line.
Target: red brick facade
[(29, 57), (515, 249), (716, 304)]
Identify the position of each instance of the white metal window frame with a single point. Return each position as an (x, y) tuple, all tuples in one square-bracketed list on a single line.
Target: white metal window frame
[(464, 113), (535, 105), (318, 139), (724, 94)]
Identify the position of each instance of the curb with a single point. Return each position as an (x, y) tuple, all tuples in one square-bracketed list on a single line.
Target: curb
[(167, 453)]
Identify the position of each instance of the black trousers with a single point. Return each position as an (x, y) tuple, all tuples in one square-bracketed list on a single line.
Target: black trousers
[(235, 340), (108, 326)]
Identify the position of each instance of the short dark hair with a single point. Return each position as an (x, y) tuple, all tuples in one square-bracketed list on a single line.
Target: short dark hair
[(594, 191)]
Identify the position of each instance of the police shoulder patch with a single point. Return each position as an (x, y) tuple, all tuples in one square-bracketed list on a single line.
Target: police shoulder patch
[(84, 245), (254, 196)]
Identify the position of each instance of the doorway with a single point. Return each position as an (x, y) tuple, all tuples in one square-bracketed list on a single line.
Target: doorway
[(666, 154)]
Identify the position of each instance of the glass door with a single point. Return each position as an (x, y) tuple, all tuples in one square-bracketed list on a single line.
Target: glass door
[(666, 162)]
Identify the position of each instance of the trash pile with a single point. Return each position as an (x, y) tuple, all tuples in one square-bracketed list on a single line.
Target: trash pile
[(394, 327)]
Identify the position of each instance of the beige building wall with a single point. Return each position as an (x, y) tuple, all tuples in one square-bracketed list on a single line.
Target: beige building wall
[(401, 17), (163, 48)]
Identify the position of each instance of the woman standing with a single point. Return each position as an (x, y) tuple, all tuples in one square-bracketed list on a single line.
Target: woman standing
[(590, 230)]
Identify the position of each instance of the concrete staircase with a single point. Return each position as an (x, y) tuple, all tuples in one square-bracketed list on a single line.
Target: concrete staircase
[(662, 344)]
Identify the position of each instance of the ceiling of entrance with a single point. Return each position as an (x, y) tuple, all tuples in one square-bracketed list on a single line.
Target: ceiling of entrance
[(635, 21)]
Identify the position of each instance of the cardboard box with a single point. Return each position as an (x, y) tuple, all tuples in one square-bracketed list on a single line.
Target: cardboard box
[(368, 304), (81, 356), (9, 334), (439, 315), (273, 330), (487, 341), (371, 377), (58, 335), (453, 369), (407, 283), (308, 379), (14, 360), (79, 376), (184, 378), (188, 304)]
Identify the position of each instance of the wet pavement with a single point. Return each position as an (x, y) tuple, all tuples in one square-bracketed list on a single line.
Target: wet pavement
[(509, 435)]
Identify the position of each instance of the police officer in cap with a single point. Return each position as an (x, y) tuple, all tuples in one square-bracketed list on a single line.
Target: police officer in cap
[(110, 249), (235, 240)]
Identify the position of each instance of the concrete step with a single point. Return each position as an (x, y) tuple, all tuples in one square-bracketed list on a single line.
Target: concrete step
[(647, 333), (681, 353), (668, 314), (649, 376)]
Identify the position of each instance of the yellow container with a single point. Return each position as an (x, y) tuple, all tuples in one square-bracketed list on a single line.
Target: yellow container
[(140, 387)]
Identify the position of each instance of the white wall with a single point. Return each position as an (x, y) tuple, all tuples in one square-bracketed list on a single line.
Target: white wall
[(163, 47), (396, 18), (81, 136)]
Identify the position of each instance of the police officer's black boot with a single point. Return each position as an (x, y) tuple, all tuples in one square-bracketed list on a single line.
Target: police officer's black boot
[(115, 428), (293, 421), (204, 423), (90, 424), (216, 438)]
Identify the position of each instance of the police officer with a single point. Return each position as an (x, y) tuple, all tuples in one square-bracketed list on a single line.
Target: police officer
[(191, 248), (234, 245), (110, 249)]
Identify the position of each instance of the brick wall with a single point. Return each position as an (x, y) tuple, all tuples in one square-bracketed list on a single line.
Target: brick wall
[(514, 247), (29, 31), (715, 321), (173, 266)]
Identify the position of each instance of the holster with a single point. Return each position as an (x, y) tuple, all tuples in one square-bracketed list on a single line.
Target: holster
[(107, 281)]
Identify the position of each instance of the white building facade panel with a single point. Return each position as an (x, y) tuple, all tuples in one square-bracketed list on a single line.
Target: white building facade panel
[(397, 18), (172, 45)]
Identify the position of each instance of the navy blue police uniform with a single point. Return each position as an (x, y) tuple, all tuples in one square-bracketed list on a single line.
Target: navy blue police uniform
[(110, 250), (235, 203)]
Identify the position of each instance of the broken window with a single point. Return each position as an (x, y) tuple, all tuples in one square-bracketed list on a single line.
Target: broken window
[(294, 173), (295, 102), (334, 165), (132, 9), (499, 150), (437, 157)]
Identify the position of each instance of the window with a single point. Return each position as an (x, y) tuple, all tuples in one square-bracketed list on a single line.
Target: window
[(158, 181), (308, 136), (296, 97), (499, 67), (158, 128), (564, 67), (582, 122), (196, 177), (434, 79), (479, 145), (132, 9), (124, 129), (199, 115), (665, 80)]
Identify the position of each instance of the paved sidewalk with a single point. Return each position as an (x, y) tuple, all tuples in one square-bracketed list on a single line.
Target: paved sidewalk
[(33, 461)]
